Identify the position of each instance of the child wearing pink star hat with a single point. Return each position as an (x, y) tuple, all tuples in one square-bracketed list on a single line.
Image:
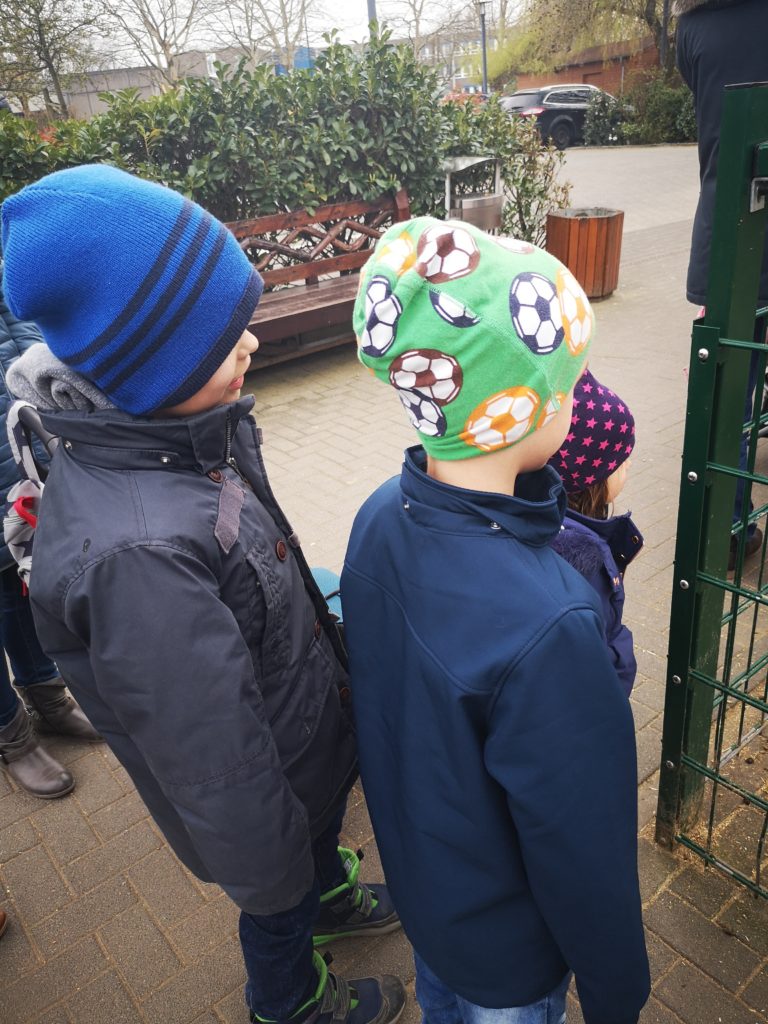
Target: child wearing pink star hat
[(593, 464)]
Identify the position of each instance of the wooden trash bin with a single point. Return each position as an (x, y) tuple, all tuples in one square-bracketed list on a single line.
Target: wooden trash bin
[(588, 242)]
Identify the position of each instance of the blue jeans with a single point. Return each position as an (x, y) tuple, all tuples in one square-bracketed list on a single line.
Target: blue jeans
[(441, 1006), (28, 660), (277, 949)]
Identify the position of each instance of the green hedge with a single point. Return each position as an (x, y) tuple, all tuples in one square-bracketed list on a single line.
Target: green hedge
[(657, 108), (247, 142)]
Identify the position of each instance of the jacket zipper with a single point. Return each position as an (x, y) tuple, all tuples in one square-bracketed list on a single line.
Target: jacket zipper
[(229, 458)]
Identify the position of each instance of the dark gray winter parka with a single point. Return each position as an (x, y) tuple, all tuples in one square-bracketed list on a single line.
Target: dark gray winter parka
[(168, 590)]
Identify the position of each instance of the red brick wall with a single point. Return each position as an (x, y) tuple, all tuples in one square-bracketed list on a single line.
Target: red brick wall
[(608, 75)]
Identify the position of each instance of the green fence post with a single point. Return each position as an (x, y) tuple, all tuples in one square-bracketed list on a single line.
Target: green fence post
[(714, 419)]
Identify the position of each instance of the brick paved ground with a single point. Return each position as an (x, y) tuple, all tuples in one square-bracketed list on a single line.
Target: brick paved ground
[(108, 929)]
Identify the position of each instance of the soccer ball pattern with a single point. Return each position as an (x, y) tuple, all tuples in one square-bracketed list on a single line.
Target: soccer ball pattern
[(434, 374), (452, 311), (536, 313), (398, 254), (502, 419), (382, 311), (424, 414), (551, 409), (445, 253), (517, 245), (576, 310)]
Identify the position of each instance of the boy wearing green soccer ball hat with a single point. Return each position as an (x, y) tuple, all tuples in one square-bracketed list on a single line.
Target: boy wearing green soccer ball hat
[(486, 703)]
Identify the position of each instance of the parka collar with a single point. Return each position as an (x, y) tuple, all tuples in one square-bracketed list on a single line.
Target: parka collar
[(108, 437), (533, 515), (619, 532)]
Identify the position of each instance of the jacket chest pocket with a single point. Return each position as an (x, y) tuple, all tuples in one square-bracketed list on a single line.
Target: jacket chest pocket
[(270, 592)]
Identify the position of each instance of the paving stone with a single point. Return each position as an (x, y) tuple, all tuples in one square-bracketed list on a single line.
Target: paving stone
[(655, 1012), (17, 957), (140, 951), (648, 752), (357, 830), (97, 785), (655, 865), (756, 992), (651, 692), (35, 884), (55, 1015), (205, 929), (63, 829), (114, 856), (747, 919), (83, 916), (642, 714), (706, 945), (16, 805), (737, 843), (232, 1009), (104, 999), (647, 800), (118, 816), (16, 838), (198, 986), (706, 889), (161, 883), (27, 997), (696, 999), (660, 956)]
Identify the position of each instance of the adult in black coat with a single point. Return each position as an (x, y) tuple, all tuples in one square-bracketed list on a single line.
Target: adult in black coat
[(720, 43)]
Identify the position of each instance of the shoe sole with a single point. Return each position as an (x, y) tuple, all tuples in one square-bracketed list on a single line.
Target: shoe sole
[(383, 929)]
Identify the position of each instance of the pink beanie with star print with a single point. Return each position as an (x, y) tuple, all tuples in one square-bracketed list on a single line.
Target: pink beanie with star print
[(601, 437)]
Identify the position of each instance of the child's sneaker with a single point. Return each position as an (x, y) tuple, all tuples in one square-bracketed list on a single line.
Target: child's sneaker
[(353, 908), (337, 1001)]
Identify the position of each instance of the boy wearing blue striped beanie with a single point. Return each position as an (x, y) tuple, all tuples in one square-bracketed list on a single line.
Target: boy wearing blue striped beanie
[(167, 583)]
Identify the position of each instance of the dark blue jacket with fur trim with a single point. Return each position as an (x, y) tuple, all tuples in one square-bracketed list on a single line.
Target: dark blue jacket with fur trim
[(496, 748), (601, 549)]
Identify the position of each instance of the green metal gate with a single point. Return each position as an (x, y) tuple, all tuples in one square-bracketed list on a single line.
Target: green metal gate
[(713, 791)]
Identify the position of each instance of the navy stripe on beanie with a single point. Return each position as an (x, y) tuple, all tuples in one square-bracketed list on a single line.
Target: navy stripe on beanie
[(142, 292), (133, 285), (104, 362)]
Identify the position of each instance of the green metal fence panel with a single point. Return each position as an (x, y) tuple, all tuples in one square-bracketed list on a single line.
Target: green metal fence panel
[(713, 790)]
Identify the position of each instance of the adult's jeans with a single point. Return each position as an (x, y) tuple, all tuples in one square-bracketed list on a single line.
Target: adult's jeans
[(29, 662), (277, 949), (439, 1005)]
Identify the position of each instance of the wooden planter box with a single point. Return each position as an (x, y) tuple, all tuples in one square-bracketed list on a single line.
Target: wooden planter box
[(588, 242)]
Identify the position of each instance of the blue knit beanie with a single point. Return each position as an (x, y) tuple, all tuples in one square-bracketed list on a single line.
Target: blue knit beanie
[(133, 286)]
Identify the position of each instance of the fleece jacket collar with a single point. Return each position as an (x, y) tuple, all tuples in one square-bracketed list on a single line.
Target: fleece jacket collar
[(533, 515)]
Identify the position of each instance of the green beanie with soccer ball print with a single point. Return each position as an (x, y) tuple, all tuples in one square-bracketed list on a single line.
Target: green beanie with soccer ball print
[(481, 337)]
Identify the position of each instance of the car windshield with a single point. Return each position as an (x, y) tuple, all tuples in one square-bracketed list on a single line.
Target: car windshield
[(519, 101)]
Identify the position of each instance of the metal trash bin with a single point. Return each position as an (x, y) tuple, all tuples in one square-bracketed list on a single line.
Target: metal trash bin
[(483, 209)]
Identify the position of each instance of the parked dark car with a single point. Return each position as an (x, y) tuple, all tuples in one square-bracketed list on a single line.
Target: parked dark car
[(559, 110)]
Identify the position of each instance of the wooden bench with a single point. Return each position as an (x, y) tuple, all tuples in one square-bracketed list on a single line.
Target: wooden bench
[(311, 264)]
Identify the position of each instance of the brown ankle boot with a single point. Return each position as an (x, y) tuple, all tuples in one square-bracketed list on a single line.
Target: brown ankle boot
[(54, 711), (28, 764)]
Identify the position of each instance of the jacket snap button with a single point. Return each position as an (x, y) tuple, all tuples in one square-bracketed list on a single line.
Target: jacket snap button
[(344, 694), (318, 629), (635, 540), (281, 550), (215, 475)]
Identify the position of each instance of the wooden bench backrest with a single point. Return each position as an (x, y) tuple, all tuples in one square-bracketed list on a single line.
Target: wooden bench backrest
[(302, 246)]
